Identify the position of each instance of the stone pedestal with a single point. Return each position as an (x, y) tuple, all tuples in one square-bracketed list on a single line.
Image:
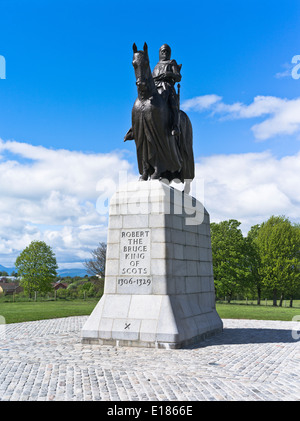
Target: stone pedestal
[(159, 287)]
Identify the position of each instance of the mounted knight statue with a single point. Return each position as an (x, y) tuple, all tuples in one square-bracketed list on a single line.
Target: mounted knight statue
[(162, 132)]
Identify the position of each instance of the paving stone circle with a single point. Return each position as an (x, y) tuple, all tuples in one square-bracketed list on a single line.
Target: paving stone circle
[(252, 360)]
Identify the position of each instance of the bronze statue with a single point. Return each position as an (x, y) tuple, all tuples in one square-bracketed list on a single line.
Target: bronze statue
[(165, 74), (162, 132)]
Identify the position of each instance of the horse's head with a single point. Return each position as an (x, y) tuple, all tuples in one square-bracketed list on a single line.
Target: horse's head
[(143, 76)]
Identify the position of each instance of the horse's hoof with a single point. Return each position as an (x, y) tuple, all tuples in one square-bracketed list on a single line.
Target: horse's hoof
[(144, 177), (155, 176)]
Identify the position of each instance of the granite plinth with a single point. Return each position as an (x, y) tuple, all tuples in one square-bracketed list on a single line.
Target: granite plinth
[(159, 287)]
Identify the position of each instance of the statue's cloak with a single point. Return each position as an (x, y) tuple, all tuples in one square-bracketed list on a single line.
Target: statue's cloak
[(153, 144)]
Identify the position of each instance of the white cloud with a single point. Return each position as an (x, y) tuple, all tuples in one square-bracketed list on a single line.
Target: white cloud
[(51, 195), (281, 116), (201, 103), (251, 187), (287, 73)]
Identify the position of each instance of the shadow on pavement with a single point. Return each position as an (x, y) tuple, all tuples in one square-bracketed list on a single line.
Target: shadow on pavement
[(238, 336)]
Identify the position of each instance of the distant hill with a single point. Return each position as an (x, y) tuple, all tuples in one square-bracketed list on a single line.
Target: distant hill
[(61, 272), (8, 270), (72, 272)]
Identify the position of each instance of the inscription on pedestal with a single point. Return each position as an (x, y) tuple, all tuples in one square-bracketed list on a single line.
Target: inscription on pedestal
[(135, 262)]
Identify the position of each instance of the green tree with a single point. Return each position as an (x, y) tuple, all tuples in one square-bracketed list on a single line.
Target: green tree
[(96, 266), (230, 263), (37, 267), (88, 288), (278, 242), (3, 273), (294, 284), (254, 262)]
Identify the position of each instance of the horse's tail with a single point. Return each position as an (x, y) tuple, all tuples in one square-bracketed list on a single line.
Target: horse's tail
[(186, 147)]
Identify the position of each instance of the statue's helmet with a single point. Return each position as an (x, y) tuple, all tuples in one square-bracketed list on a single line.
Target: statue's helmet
[(165, 52)]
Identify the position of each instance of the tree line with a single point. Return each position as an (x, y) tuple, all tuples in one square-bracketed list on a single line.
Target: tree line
[(37, 269), (265, 263)]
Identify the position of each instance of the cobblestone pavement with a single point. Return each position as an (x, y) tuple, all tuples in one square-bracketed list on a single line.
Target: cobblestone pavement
[(251, 360)]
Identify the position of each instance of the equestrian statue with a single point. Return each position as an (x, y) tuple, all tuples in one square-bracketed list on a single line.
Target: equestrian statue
[(162, 132)]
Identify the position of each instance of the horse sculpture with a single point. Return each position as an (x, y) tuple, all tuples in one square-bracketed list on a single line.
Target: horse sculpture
[(159, 154)]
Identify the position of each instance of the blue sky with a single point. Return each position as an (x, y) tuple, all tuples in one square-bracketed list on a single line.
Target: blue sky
[(70, 87), (69, 72)]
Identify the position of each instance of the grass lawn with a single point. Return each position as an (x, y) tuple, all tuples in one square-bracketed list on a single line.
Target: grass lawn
[(28, 311), (262, 312), (15, 312)]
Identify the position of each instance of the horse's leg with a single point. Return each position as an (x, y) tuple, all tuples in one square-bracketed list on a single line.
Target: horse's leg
[(156, 175), (145, 175), (187, 186)]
